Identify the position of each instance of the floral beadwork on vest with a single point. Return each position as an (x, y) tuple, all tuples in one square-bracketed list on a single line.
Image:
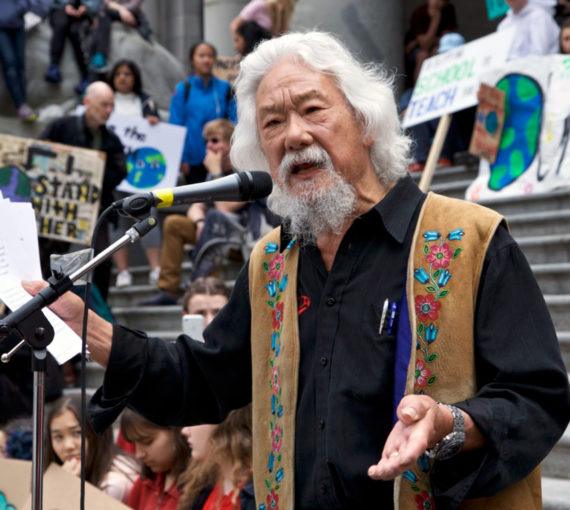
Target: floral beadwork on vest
[(438, 255), (275, 287)]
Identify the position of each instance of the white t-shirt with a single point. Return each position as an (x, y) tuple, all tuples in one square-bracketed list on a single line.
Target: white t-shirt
[(536, 32), (128, 104), (121, 477), (258, 11)]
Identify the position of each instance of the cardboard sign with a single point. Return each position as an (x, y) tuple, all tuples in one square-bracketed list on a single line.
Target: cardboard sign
[(449, 82), (15, 483), (488, 123), (496, 8), (227, 68), (61, 489), (153, 152), (62, 182), (534, 150)]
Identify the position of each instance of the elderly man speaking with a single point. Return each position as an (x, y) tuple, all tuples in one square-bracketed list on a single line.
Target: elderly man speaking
[(396, 347)]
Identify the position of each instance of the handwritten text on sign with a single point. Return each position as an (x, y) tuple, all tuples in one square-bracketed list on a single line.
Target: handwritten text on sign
[(449, 82), (63, 184)]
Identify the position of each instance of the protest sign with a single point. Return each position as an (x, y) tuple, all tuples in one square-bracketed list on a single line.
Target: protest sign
[(15, 483), (489, 122), (153, 152), (533, 154), (496, 8), (449, 82), (227, 68), (62, 182), (61, 489)]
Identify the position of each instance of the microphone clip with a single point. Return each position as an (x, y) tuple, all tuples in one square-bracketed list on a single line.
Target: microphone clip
[(136, 205)]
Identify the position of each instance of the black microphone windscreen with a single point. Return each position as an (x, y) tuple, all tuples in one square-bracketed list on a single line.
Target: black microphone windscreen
[(254, 185)]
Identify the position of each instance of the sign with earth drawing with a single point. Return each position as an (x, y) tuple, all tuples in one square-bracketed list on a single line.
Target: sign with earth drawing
[(534, 152), (63, 183), (449, 82), (153, 152)]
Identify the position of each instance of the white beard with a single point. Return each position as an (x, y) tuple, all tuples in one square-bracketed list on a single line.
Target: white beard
[(313, 209)]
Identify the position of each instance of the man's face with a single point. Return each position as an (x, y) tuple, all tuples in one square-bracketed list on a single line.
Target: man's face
[(216, 143), (296, 108), (99, 107)]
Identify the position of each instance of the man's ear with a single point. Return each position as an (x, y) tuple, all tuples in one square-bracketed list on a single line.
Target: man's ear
[(368, 141)]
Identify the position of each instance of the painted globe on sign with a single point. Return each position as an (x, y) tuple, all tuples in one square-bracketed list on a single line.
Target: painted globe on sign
[(524, 103), (15, 184), (146, 167)]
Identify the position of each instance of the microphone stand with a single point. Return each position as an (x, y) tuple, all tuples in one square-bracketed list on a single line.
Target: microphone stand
[(30, 325)]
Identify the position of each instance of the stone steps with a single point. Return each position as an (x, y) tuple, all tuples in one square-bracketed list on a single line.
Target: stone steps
[(451, 174), (539, 202), (539, 223), (555, 493), (548, 249), (553, 278), (557, 463)]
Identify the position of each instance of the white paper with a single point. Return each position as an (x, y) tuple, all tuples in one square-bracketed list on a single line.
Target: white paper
[(20, 260)]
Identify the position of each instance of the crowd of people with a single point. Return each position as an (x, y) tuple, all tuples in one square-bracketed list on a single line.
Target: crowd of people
[(148, 464), (434, 29)]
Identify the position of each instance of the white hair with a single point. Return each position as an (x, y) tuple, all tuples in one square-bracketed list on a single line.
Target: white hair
[(367, 88)]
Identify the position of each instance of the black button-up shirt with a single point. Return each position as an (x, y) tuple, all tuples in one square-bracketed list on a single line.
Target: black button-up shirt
[(344, 410)]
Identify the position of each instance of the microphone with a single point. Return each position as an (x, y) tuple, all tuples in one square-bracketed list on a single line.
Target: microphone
[(237, 187)]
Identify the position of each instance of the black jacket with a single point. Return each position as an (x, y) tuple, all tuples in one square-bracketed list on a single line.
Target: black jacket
[(72, 130)]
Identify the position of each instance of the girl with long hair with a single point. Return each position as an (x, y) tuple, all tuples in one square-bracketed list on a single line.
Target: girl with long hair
[(219, 476), (112, 472), (164, 454), (132, 101)]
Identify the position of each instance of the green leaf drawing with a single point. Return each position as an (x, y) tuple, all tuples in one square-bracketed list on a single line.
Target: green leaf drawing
[(426, 249), (457, 252)]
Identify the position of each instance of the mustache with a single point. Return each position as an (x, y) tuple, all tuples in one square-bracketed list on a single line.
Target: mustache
[(314, 155)]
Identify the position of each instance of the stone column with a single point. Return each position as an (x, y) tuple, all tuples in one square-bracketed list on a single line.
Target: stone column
[(177, 24), (217, 17), (374, 29)]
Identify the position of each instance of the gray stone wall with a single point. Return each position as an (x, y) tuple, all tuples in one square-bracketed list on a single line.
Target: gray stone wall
[(371, 28)]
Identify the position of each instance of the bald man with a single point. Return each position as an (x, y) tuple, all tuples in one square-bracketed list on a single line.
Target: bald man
[(89, 131)]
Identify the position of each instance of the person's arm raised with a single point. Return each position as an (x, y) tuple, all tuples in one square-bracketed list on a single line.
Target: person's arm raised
[(69, 308)]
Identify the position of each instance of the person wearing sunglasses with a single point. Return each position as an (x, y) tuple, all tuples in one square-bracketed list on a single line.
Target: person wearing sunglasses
[(181, 229)]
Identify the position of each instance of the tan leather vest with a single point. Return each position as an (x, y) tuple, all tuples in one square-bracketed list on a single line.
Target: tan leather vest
[(448, 250)]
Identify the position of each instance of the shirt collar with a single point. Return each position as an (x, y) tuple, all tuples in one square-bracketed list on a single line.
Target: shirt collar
[(397, 208)]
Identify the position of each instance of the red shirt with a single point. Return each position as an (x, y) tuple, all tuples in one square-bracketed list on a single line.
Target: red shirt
[(217, 501), (149, 494)]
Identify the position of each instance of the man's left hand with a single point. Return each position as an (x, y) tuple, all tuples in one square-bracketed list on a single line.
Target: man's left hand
[(421, 424)]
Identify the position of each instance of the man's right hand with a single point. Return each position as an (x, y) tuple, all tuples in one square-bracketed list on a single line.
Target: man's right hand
[(69, 308)]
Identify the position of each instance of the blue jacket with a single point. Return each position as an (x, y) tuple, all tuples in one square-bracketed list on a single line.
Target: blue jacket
[(193, 105), (12, 13)]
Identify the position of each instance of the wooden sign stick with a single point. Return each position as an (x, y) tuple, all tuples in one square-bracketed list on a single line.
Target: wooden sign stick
[(435, 152)]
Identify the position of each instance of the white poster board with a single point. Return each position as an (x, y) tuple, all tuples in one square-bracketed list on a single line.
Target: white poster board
[(449, 82), (153, 152), (534, 153)]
